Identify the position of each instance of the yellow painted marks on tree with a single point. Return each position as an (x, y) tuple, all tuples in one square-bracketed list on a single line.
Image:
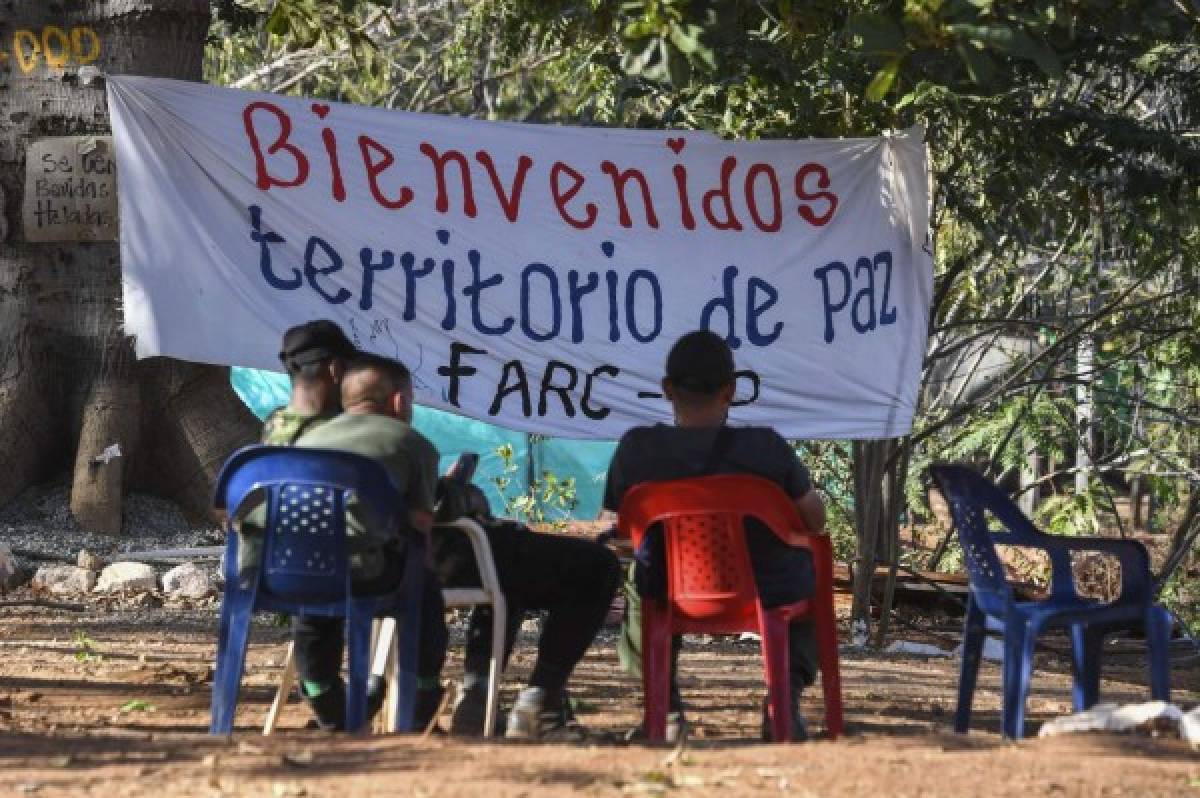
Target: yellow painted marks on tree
[(53, 46)]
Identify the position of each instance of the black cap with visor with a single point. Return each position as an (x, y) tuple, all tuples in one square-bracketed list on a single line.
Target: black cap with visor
[(313, 342)]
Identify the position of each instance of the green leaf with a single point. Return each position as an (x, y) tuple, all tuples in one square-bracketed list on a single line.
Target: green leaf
[(639, 29), (880, 35), (305, 32), (362, 49), (277, 23), (684, 40), (980, 65), (881, 84), (1012, 40), (1150, 61), (678, 67), (1046, 59), (138, 705)]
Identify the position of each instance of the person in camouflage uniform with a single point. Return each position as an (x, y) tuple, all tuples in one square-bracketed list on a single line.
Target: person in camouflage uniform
[(315, 356)]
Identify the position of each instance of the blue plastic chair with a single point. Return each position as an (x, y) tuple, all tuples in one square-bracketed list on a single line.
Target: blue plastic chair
[(971, 497), (303, 569)]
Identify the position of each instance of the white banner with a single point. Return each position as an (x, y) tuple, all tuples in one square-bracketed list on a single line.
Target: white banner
[(530, 275)]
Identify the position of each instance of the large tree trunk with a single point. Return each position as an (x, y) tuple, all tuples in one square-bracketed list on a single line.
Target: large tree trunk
[(69, 388), (880, 469)]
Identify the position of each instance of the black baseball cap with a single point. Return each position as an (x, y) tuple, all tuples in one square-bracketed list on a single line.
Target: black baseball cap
[(314, 341), (700, 361)]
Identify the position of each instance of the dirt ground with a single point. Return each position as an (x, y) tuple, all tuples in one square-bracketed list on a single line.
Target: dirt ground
[(114, 702)]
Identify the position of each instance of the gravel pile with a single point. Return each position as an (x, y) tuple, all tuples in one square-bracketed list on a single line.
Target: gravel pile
[(38, 524)]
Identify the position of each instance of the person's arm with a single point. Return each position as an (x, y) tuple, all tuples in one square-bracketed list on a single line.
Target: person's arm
[(812, 511), (615, 485), (422, 522), (422, 491), (798, 484)]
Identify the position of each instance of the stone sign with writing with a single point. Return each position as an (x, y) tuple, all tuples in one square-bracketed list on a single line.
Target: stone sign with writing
[(70, 189)]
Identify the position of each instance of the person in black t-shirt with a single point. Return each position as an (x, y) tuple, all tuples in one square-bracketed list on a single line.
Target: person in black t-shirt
[(700, 386)]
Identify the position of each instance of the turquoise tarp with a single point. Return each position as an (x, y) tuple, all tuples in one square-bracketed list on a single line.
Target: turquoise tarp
[(586, 461)]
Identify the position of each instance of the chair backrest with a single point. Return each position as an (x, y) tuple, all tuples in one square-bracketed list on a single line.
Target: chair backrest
[(708, 566), (307, 492), (971, 497)]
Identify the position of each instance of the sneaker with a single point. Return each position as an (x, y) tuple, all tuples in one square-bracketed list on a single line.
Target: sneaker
[(799, 727), (533, 718)]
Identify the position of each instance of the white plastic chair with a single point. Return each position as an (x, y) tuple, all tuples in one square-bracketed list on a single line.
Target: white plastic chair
[(384, 662)]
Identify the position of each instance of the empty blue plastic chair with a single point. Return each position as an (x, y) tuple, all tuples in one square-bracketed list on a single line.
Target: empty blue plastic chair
[(972, 498), (303, 568)]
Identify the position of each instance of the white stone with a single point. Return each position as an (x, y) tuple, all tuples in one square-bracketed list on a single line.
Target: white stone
[(993, 649), (1133, 716), (1114, 718), (64, 579), (915, 649), (87, 560), (188, 581), (1095, 719), (1189, 727), (10, 569), (121, 576)]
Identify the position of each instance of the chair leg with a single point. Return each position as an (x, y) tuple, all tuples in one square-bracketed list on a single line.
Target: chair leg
[(831, 677), (358, 665), (1020, 641), (656, 667), (383, 665), (495, 667), (391, 711), (410, 642), (233, 635), (1158, 641), (774, 633), (974, 634), (1086, 648), (286, 680), (383, 641)]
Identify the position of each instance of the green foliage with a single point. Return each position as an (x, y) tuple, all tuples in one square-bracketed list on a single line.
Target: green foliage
[(1070, 514), (1063, 145), (828, 463), (1182, 596), (138, 705), (85, 647), (549, 499)]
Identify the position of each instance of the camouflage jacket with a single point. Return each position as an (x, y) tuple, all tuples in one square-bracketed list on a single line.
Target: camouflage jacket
[(285, 425), (281, 428)]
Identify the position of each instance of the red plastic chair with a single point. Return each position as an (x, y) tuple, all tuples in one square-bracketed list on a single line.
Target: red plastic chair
[(711, 587)]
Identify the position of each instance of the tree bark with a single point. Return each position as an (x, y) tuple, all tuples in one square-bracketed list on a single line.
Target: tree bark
[(68, 386), (108, 434), (868, 472), (880, 469)]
